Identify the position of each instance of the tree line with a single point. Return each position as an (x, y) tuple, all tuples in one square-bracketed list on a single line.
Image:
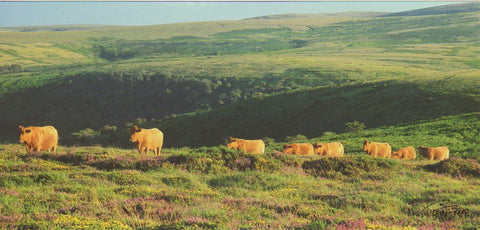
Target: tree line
[(13, 68), (94, 99)]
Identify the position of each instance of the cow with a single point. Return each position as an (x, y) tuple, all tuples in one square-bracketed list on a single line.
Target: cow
[(334, 149), (147, 139), (247, 146), (298, 149), (376, 149), (39, 138), (434, 153), (407, 153)]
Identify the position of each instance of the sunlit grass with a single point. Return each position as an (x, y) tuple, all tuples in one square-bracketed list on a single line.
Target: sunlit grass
[(67, 194), (38, 53)]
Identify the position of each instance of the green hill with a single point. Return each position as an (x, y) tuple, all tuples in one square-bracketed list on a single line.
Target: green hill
[(446, 9), (217, 188), (314, 112), (348, 77), (272, 76)]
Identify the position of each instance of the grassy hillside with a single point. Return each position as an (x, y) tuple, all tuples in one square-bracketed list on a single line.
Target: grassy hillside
[(314, 112), (407, 80), (274, 76), (448, 9), (205, 188)]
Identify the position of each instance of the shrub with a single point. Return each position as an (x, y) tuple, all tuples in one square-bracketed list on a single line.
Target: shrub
[(268, 141), (287, 159), (354, 127), (456, 167), (355, 166), (299, 138), (85, 136)]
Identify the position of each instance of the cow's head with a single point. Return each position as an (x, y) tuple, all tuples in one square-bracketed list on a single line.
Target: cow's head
[(365, 145), (24, 133), (135, 133), (232, 143), (422, 149), (318, 148), (395, 155), (288, 148)]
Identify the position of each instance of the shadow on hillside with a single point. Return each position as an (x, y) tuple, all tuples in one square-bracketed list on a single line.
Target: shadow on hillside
[(314, 112), (71, 107)]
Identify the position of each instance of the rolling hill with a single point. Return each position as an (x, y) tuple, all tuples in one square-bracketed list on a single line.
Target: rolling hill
[(447, 9), (272, 76), (349, 77)]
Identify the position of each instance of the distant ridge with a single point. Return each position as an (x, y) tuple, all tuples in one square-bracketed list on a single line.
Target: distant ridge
[(446, 9), (55, 28), (342, 14)]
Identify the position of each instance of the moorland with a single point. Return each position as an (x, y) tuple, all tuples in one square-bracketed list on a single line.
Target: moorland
[(408, 78)]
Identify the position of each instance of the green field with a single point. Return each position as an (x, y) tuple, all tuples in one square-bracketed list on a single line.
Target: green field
[(216, 188), (410, 79)]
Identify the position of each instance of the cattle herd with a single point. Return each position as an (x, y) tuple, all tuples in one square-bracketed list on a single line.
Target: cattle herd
[(46, 139)]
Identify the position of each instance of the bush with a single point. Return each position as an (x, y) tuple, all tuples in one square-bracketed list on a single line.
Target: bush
[(355, 166), (456, 167), (85, 136), (268, 141), (354, 127), (299, 139)]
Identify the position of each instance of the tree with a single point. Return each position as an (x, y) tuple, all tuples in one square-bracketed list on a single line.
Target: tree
[(85, 136), (299, 138), (354, 127)]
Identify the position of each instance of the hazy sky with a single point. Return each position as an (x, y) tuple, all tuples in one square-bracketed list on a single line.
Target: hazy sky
[(151, 13)]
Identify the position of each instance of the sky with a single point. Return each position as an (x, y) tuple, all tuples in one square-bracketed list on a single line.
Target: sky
[(153, 13)]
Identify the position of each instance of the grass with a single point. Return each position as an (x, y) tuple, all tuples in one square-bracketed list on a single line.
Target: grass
[(410, 80), (39, 53), (80, 188)]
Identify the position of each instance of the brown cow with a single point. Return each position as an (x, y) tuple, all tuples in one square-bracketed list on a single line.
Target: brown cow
[(298, 149), (39, 138), (434, 153), (407, 153), (376, 149), (334, 149), (147, 139), (248, 146)]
